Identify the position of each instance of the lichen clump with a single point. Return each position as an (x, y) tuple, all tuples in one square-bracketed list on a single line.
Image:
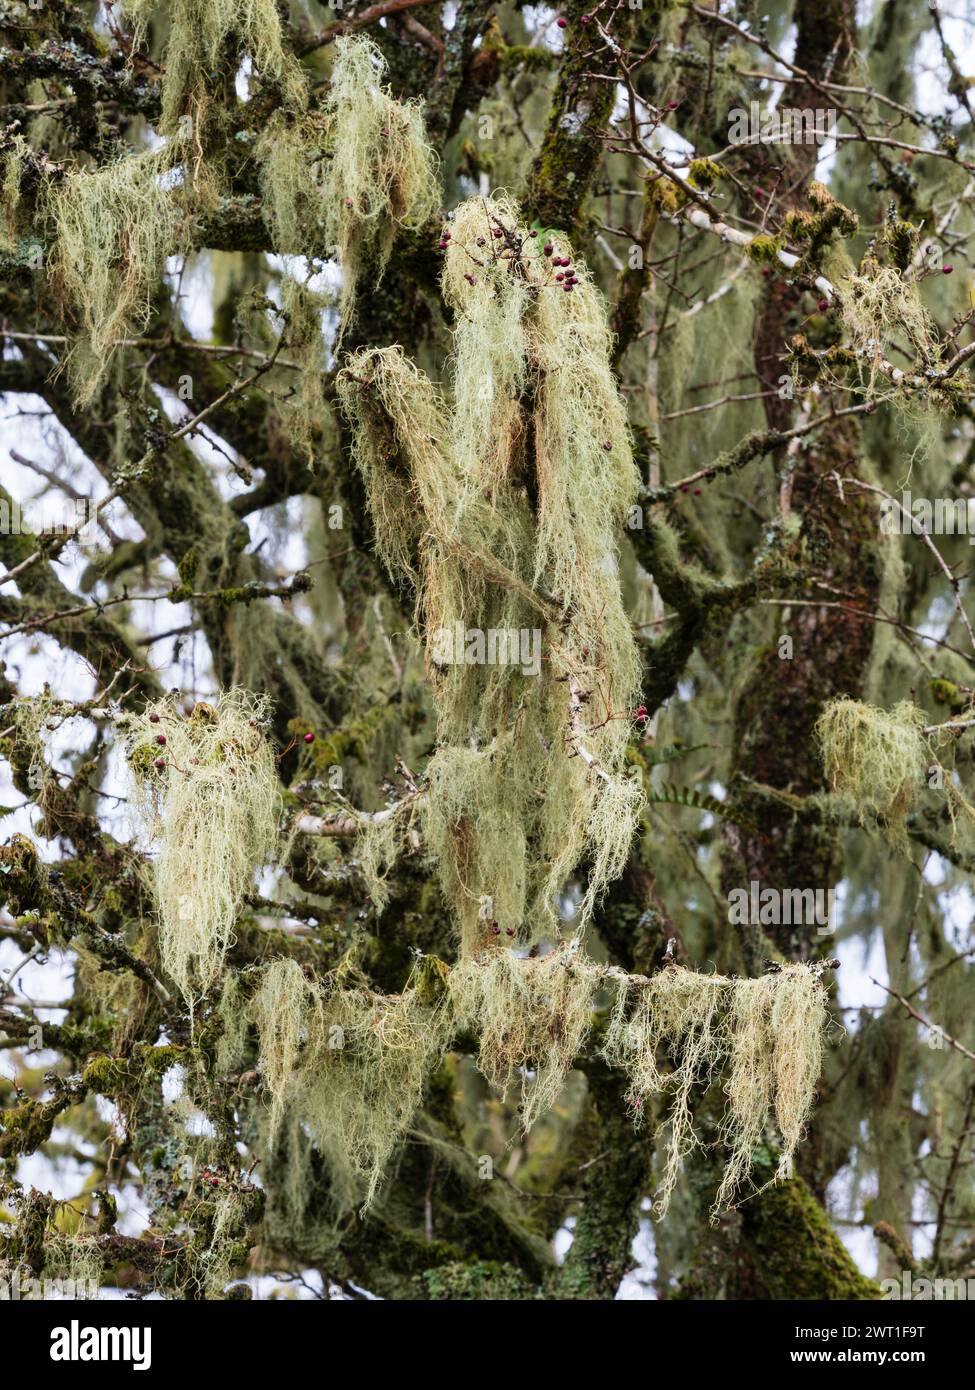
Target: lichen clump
[(113, 228), (764, 1035), (882, 310), (501, 508), (874, 757), (343, 179), (350, 1062), (196, 49), (207, 783), (531, 1017)]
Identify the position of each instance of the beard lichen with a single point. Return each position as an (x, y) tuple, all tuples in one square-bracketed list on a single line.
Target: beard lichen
[(766, 1035), (198, 32), (343, 179), (502, 510), (348, 1065), (884, 315), (875, 759), (13, 150), (878, 762), (208, 785), (531, 1016), (302, 406), (112, 231), (382, 172), (350, 1062)]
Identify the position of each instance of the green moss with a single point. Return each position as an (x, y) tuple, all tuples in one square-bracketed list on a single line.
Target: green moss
[(23, 878), (704, 173), (945, 692), (188, 566), (113, 1076), (902, 239), (666, 196), (480, 1281), (24, 1129), (431, 980), (106, 1075), (764, 249), (796, 1252)]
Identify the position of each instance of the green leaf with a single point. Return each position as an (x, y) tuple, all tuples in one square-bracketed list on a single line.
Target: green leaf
[(672, 795)]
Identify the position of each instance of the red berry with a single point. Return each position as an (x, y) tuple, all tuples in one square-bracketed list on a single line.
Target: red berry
[(567, 288), (947, 269), (495, 929), (496, 232), (547, 249), (533, 232), (509, 931), (154, 718), (159, 764), (161, 740), (562, 23), (584, 19), (309, 738), (823, 305), (442, 245), (560, 276), (672, 105)]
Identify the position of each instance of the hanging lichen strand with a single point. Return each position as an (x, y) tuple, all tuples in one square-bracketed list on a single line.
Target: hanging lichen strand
[(344, 179), (112, 229), (531, 1018), (504, 511), (350, 1063), (207, 783), (766, 1035), (198, 32)]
